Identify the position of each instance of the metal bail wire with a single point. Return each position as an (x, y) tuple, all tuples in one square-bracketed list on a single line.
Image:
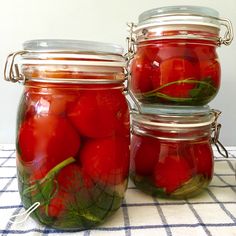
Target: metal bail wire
[(131, 44), (229, 34), (216, 133), (131, 39), (11, 69)]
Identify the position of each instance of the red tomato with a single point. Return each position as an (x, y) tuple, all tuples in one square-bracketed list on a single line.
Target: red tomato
[(106, 160), (144, 154), (203, 158), (145, 67), (57, 204), (45, 141), (174, 70), (171, 172), (71, 179), (141, 73), (100, 113), (48, 100), (205, 52), (171, 50), (210, 69)]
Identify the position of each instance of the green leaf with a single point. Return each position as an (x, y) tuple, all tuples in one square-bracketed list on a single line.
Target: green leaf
[(146, 185), (90, 206), (200, 94), (192, 187), (203, 90), (85, 206), (44, 190)]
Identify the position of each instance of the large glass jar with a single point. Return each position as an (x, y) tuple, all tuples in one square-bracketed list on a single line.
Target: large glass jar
[(72, 130), (171, 153), (174, 58)]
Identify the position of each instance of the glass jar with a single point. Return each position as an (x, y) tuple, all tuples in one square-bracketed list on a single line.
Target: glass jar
[(72, 130), (174, 58), (171, 153)]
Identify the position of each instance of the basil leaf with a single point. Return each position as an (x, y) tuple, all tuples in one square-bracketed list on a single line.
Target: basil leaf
[(43, 190), (191, 188), (204, 90)]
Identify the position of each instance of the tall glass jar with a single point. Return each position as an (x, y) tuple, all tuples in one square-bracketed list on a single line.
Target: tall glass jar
[(171, 153), (174, 58), (72, 130)]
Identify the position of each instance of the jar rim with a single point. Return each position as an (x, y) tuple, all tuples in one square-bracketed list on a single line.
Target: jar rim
[(175, 117), (67, 52), (159, 109), (178, 9), (67, 57), (176, 16), (70, 45)]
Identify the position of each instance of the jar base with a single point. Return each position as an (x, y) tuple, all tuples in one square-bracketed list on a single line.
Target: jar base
[(191, 188)]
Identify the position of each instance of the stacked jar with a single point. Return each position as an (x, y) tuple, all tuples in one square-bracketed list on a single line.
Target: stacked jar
[(174, 72), (72, 130)]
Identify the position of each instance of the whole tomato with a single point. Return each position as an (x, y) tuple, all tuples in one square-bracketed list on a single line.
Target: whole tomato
[(144, 154), (106, 160), (203, 158), (47, 100), (45, 141), (204, 51), (170, 49), (210, 70), (173, 73), (171, 171), (100, 113), (142, 71), (71, 179), (57, 204)]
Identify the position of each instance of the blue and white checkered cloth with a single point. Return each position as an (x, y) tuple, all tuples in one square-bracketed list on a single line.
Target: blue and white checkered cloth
[(211, 213)]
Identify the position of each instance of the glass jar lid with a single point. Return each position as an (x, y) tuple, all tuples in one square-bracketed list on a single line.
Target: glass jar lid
[(83, 52), (181, 19), (69, 45), (186, 11), (173, 15), (58, 57), (174, 116)]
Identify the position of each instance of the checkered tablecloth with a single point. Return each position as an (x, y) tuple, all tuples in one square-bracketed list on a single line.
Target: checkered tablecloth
[(211, 213)]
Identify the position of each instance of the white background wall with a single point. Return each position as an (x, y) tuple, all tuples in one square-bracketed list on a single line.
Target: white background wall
[(99, 20)]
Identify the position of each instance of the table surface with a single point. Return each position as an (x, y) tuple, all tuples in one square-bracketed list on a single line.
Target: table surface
[(211, 213)]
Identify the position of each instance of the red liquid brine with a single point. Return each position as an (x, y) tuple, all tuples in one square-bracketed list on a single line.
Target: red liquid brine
[(172, 55), (70, 158), (72, 132), (170, 169), (171, 155), (175, 72)]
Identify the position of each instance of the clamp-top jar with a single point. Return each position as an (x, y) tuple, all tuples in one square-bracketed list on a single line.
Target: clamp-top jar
[(171, 153), (72, 130), (173, 55)]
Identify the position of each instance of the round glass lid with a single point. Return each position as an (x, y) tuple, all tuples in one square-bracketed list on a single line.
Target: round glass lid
[(44, 45)]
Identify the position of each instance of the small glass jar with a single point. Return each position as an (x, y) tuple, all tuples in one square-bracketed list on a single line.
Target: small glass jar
[(174, 58), (171, 153), (72, 130)]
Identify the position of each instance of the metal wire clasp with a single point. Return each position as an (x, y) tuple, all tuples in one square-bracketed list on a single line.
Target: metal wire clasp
[(11, 69), (131, 45), (229, 35), (131, 39), (216, 133)]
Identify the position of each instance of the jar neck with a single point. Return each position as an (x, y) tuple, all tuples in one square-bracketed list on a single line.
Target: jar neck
[(72, 75), (47, 87), (173, 134), (195, 33)]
